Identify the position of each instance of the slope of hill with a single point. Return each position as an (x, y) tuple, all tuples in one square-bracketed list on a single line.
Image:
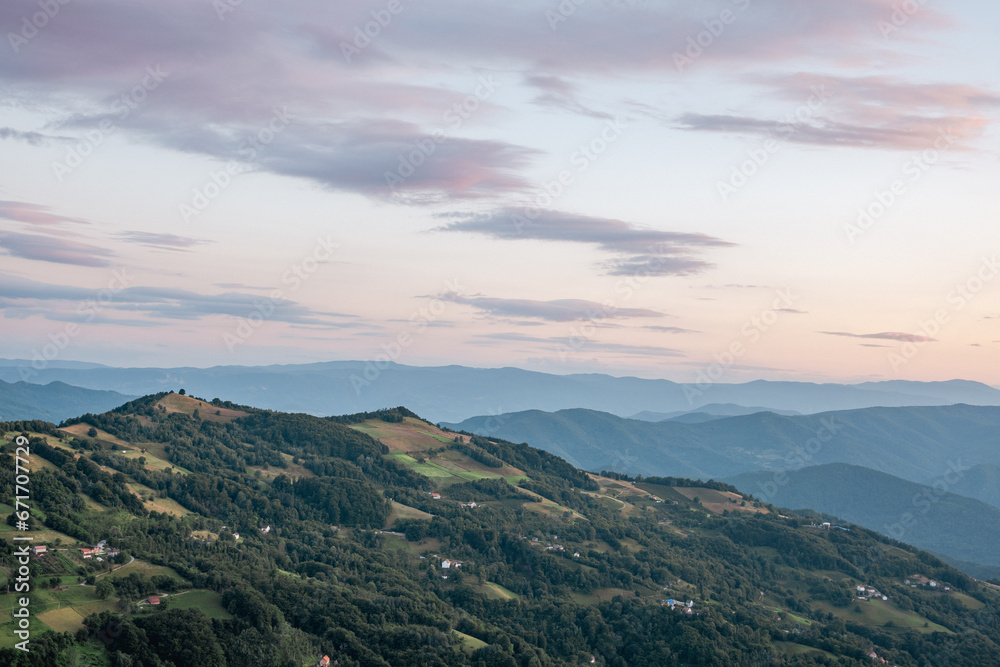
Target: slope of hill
[(917, 444), (982, 482), (929, 517), (55, 401), (273, 539), (453, 393)]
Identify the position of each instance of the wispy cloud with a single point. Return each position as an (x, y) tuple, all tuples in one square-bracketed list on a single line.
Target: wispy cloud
[(670, 330), (648, 251), (559, 310), (54, 249), (35, 214), (559, 93), (866, 112), (161, 241), (155, 303), (885, 335), (33, 138)]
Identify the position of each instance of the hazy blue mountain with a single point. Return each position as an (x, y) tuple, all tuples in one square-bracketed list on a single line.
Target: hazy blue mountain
[(981, 482), (454, 393), (929, 517), (53, 402), (707, 411), (916, 443), (16, 363)]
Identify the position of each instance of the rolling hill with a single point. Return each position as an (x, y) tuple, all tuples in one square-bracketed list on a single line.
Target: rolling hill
[(54, 401), (273, 539), (929, 517), (982, 482), (915, 443)]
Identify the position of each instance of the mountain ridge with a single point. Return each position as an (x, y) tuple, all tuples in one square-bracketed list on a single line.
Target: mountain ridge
[(453, 393)]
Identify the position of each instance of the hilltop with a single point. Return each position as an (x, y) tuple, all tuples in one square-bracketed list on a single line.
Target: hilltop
[(378, 538)]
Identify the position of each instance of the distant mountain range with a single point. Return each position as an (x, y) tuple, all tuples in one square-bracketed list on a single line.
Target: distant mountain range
[(706, 413), (53, 402), (916, 443), (454, 393), (929, 517)]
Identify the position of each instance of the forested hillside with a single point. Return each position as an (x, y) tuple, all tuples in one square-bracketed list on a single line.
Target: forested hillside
[(250, 537)]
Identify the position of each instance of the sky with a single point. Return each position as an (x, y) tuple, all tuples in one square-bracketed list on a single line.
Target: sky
[(721, 189)]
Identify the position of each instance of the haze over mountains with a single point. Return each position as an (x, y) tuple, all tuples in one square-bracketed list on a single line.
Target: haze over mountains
[(53, 402), (927, 476), (930, 517), (706, 413), (454, 393), (915, 443)]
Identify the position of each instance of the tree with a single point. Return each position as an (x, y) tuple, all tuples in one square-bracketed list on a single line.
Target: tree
[(182, 392), (92, 432), (105, 588)]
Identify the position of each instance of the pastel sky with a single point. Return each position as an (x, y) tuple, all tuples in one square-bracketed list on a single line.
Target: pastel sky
[(749, 189)]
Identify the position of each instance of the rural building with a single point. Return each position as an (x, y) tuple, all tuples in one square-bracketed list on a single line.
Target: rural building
[(153, 600), (39, 550)]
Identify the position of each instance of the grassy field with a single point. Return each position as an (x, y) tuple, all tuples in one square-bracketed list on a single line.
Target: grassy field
[(42, 536), (204, 535), (878, 613), (209, 602), (147, 569), (187, 405), (409, 435), (469, 643), (447, 471), (164, 505), (498, 592), (80, 431), (400, 511)]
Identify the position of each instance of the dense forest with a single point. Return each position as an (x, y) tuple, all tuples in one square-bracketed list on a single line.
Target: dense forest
[(341, 543)]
